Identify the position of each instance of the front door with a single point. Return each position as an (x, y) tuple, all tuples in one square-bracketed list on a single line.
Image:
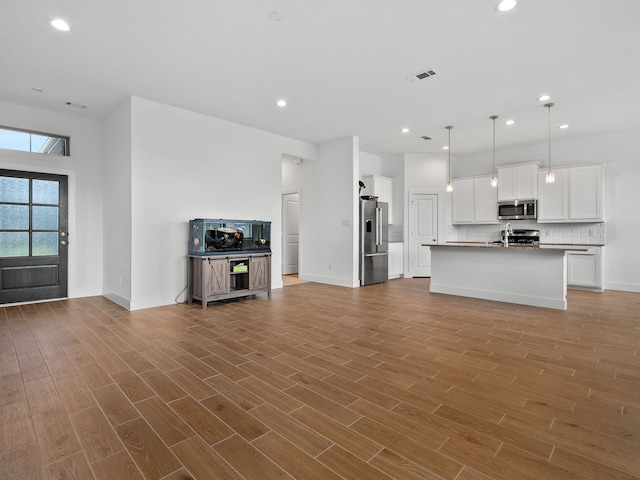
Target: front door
[(423, 231), (33, 236)]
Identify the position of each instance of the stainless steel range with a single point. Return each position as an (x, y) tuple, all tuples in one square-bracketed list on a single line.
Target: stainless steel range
[(522, 237)]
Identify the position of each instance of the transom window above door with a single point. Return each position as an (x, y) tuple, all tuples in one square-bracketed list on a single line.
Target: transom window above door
[(36, 142)]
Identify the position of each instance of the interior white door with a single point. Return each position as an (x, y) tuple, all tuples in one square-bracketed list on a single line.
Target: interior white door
[(423, 231), (290, 232)]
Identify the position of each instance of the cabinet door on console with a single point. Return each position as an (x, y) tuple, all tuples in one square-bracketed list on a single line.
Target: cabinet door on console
[(258, 272), (217, 276)]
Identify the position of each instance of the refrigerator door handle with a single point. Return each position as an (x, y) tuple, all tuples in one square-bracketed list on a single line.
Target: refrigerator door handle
[(378, 226), (376, 254)]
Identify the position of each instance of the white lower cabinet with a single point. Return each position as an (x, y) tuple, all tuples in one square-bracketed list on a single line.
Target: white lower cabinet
[(396, 260), (584, 269)]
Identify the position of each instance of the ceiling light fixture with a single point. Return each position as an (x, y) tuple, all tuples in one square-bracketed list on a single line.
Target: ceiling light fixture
[(510, 122), (445, 148), (544, 98), (563, 126), (550, 178), (494, 179), (449, 184), (506, 5), (36, 89), (281, 103), (405, 130), (60, 24)]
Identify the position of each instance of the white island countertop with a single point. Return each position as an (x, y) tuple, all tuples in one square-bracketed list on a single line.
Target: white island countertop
[(527, 275)]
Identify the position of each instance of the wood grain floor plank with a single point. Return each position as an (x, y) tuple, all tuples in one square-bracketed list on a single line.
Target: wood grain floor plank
[(42, 395), (202, 421), (74, 467), (244, 423), (191, 383), (96, 436), (166, 388), (359, 445), (55, 435), (117, 408), (117, 466), (295, 431), (148, 451), (132, 385), (17, 429), (169, 426), (203, 462), (291, 459), (248, 461), (341, 460)]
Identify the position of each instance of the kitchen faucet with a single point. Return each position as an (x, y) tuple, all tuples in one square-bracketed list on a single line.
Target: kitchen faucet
[(508, 230)]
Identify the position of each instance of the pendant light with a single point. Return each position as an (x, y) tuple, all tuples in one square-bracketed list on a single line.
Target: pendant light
[(449, 184), (494, 179), (550, 178)]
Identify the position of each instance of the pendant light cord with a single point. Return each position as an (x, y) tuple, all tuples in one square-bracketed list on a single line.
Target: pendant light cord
[(549, 105)]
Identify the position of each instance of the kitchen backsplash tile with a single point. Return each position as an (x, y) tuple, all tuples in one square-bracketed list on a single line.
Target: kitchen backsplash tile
[(558, 233)]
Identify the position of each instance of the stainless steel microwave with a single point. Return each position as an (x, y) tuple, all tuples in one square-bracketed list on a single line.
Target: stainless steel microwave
[(517, 210)]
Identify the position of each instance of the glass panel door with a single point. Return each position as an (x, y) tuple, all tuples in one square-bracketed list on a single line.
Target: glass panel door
[(33, 236)]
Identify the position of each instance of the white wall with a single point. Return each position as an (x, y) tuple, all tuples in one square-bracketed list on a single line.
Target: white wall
[(369, 165), (117, 205), (619, 152), (393, 167), (183, 166), (329, 224), (84, 169)]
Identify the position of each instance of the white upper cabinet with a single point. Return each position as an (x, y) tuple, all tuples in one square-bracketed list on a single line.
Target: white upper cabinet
[(575, 196), (586, 193), (553, 198), (518, 182), (381, 187), (462, 201), (474, 200)]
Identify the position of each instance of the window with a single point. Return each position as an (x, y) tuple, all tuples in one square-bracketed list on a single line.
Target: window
[(37, 142)]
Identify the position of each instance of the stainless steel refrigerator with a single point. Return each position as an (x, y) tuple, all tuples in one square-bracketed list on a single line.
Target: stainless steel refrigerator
[(374, 242)]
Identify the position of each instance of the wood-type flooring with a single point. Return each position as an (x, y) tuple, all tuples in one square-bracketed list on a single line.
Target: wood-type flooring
[(322, 382)]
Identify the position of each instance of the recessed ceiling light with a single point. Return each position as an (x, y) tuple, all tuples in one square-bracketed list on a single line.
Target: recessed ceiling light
[(281, 103), (510, 122), (60, 24), (405, 130), (544, 98), (275, 16), (37, 89), (445, 147), (506, 5), (563, 126)]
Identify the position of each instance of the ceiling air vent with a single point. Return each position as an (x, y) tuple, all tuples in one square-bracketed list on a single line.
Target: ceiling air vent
[(422, 75), (75, 105)]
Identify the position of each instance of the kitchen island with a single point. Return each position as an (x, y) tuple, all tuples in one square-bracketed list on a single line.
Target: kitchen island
[(527, 275)]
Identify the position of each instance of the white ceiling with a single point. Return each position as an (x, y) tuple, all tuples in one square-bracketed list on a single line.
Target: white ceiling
[(341, 64)]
